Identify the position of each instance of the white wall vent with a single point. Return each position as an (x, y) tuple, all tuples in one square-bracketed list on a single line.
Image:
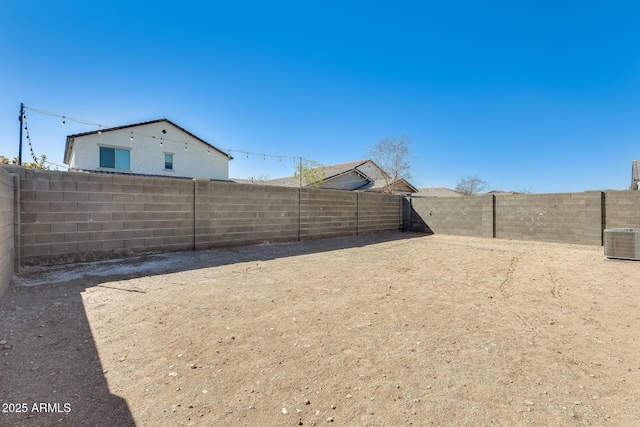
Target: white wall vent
[(623, 243)]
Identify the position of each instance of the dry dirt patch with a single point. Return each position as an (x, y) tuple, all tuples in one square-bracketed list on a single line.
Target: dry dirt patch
[(383, 330)]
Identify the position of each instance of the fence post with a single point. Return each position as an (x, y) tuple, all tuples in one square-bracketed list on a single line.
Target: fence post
[(593, 218), (489, 216), (357, 213), (17, 236), (195, 207)]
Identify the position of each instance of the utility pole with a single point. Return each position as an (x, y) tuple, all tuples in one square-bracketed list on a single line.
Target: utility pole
[(20, 144), (300, 172)]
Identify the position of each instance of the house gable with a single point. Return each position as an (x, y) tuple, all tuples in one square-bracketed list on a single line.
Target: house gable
[(361, 175), (158, 147), (350, 180)]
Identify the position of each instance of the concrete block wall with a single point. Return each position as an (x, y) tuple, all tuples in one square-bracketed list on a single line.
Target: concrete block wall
[(564, 217), (328, 213), (379, 212), (229, 214), (72, 217), (7, 249), (622, 209), (547, 217), (464, 216)]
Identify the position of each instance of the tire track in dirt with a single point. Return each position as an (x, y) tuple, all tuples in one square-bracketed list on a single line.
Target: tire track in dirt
[(555, 290), (502, 289), (565, 354)]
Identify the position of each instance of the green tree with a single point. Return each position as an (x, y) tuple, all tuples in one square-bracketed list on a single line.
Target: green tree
[(40, 164), (310, 173)]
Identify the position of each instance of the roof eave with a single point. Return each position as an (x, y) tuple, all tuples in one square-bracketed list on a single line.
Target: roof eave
[(72, 137)]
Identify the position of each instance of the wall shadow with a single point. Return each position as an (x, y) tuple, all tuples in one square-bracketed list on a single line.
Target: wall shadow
[(412, 220), (97, 272), (49, 364), (53, 358)]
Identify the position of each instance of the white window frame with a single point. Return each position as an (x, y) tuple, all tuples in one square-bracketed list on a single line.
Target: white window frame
[(114, 147), (173, 168)]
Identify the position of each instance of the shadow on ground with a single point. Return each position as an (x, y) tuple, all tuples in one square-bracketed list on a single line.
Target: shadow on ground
[(95, 273), (50, 367)]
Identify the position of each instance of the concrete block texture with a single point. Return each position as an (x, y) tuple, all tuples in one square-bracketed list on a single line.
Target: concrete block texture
[(464, 216), (244, 214), (563, 217), (622, 209), (70, 217), (7, 229), (550, 217)]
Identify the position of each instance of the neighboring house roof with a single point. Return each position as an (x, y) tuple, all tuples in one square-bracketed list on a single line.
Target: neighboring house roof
[(500, 192), (364, 174), (437, 192), (71, 138), (330, 172), (145, 175)]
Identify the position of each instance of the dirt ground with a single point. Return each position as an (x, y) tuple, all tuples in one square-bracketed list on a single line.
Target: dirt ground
[(392, 329)]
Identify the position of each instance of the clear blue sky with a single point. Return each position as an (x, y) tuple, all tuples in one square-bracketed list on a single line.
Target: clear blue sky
[(536, 95)]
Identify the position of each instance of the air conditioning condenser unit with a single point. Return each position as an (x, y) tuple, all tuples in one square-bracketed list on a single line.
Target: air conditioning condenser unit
[(622, 243)]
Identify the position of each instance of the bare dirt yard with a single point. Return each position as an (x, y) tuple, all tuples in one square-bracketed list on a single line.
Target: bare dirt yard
[(392, 329)]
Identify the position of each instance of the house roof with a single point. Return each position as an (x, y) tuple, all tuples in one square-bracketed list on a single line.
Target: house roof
[(437, 192), (335, 171), (501, 193), (71, 138), (148, 175)]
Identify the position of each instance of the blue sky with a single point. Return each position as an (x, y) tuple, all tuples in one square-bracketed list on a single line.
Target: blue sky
[(530, 95)]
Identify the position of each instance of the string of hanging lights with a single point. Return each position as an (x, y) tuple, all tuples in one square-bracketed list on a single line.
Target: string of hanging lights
[(26, 130), (164, 139)]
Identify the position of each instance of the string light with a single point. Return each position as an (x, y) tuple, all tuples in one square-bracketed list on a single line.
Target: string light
[(84, 122), (100, 126), (26, 129), (160, 142)]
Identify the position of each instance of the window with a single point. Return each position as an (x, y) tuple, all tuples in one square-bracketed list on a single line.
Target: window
[(168, 161), (115, 158)]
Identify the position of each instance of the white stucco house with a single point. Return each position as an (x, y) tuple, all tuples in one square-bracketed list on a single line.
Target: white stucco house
[(158, 147)]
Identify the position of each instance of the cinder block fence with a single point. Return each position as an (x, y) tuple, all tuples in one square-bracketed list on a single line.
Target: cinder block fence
[(49, 217), (65, 217), (8, 232), (563, 217)]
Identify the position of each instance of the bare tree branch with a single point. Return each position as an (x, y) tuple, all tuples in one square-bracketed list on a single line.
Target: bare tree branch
[(393, 156), (470, 185)]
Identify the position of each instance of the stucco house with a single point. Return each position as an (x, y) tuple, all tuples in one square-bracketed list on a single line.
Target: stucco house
[(158, 147), (360, 175)]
